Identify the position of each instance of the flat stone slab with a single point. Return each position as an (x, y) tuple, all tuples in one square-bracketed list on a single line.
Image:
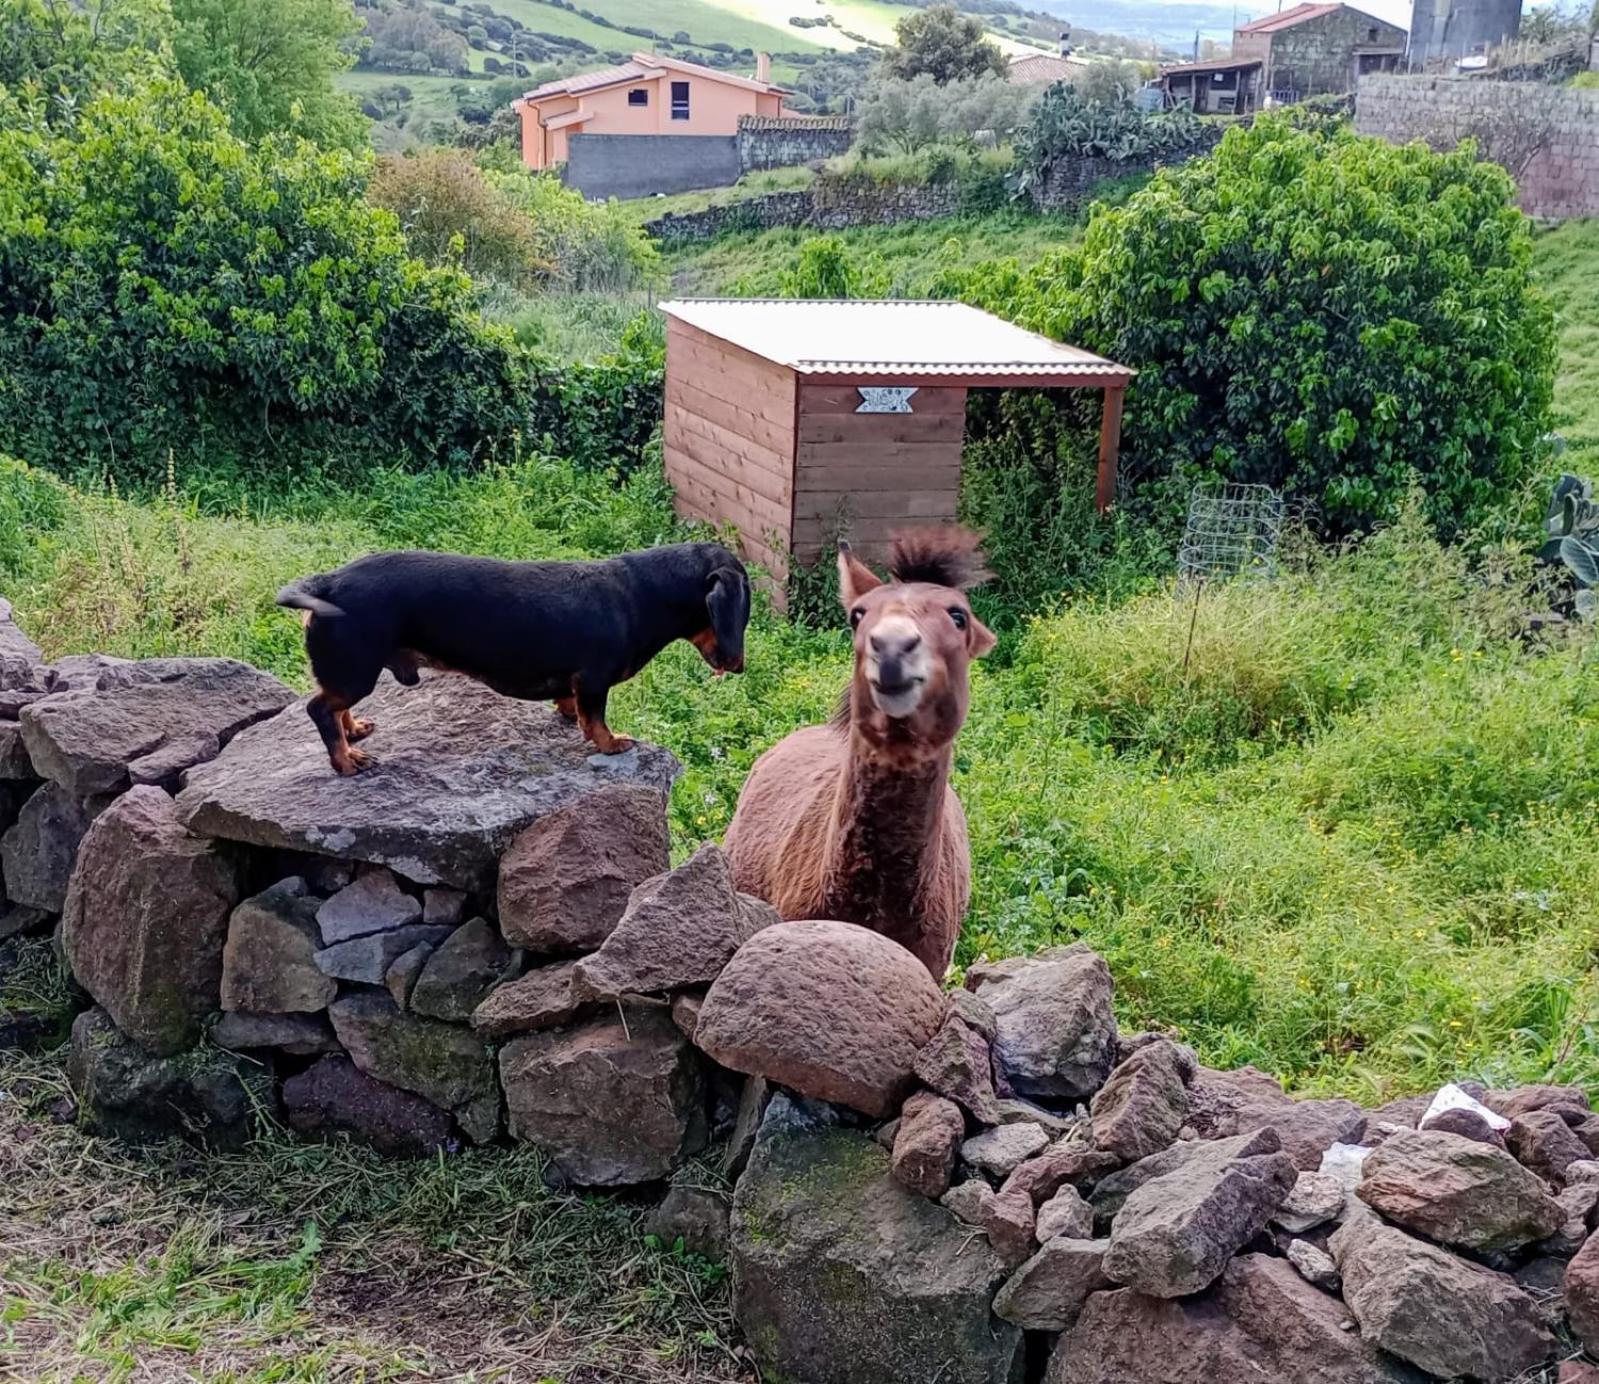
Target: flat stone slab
[(145, 722), (458, 773)]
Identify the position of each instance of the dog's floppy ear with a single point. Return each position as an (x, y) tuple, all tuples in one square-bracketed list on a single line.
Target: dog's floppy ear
[(727, 602), (855, 578)]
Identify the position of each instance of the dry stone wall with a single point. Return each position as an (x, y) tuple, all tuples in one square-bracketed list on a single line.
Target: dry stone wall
[(1546, 136), (784, 141), (480, 940)]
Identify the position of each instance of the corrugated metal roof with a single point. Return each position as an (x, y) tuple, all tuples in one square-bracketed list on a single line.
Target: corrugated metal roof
[(894, 338), (1272, 23), (1225, 65)]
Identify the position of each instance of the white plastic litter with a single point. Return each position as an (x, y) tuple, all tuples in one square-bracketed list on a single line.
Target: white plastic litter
[(1343, 1161), (1451, 1097)]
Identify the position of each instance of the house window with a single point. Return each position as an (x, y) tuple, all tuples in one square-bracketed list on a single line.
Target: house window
[(639, 96), (1371, 35), (679, 100)]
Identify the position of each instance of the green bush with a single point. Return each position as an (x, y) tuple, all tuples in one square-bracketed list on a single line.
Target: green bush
[(165, 286), (1327, 314), (585, 246), (1068, 124), (825, 268), (602, 414), (909, 114), (452, 214)]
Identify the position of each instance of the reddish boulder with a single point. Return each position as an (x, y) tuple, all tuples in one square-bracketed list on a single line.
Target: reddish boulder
[(612, 1102), (1060, 1165), (1434, 1309), (926, 1142), (679, 929), (1545, 1143), (1009, 1221), (1048, 1292), (1176, 1233), (145, 920), (565, 881), (1222, 1104), (1055, 1032), (1458, 1192), (1065, 1213), (543, 998), (1582, 1294), (956, 1064), (835, 1011), (1260, 1322), (1143, 1103)]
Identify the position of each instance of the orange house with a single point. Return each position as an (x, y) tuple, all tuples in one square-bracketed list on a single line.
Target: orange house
[(646, 95)]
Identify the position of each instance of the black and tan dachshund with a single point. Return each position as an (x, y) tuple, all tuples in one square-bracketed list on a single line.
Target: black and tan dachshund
[(563, 631)]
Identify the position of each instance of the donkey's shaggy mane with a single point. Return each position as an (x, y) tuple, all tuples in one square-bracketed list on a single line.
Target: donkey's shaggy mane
[(944, 555)]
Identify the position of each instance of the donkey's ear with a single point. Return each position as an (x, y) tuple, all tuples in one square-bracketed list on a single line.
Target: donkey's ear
[(979, 638), (855, 578)]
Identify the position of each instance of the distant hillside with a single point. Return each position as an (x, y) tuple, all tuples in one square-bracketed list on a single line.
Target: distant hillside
[(430, 63), (1170, 23)]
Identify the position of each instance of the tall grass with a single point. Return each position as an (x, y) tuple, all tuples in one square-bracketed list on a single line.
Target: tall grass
[(1354, 840)]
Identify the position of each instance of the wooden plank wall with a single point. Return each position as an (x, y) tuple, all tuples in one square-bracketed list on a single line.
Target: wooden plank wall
[(863, 475), (728, 441)]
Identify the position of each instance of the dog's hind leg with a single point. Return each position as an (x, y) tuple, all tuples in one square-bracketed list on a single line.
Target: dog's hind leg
[(591, 718), (329, 712), (567, 706), (354, 727), (403, 663)]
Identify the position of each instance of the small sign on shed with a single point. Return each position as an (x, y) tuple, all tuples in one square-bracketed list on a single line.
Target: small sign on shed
[(800, 421)]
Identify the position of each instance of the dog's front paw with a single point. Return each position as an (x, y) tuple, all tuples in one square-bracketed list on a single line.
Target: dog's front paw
[(352, 762), (620, 744), (359, 730)]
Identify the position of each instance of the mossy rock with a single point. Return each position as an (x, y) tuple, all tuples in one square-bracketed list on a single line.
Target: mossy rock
[(202, 1093), (842, 1276)]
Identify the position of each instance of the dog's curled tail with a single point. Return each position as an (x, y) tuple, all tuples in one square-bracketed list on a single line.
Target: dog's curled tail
[(297, 596)]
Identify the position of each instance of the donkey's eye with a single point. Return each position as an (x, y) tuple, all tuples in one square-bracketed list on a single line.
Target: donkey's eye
[(958, 616), (856, 616)]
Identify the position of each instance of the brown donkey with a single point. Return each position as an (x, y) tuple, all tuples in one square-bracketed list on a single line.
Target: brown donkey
[(856, 820)]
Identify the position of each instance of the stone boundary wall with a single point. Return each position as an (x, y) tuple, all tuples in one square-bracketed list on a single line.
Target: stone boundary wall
[(783, 142), (480, 939), (827, 206), (1548, 137), (837, 203)]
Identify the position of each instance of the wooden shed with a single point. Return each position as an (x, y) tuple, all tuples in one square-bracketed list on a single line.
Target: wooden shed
[(802, 420)]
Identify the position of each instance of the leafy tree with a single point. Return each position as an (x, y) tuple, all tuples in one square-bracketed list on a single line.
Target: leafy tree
[(408, 38), (270, 64), (452, 214), (943, 43), (66, 51), (1324, 313), (164, 284), (910, 114), (1108, 83)]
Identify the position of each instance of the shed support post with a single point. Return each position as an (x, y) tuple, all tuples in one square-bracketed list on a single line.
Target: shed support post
[(1110, 442)]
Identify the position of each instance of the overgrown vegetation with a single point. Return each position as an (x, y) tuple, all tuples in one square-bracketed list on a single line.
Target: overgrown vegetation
[(1320, 312), (1353, 841), (164, 285), (1069, 124)]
